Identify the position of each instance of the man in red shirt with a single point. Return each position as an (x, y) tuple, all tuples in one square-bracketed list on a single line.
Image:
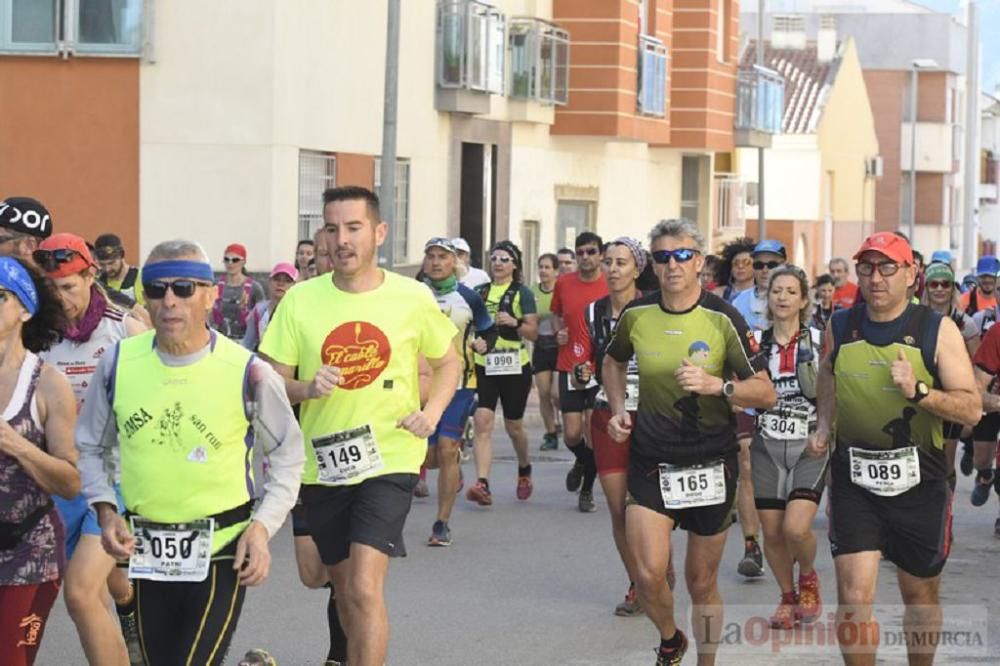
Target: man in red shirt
[(573, 292), (845, 292), (987, 367)]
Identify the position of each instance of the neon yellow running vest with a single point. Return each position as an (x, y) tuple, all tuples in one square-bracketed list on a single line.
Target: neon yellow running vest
[(184, 434)]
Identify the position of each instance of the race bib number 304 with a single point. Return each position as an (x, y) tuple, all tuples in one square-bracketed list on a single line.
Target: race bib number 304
[(790, 423), (347, 455), (174, 553), (689, 487), (885, 473), (503, 363)]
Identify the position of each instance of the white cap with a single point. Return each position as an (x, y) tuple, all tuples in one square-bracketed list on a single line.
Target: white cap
[(461, 245)]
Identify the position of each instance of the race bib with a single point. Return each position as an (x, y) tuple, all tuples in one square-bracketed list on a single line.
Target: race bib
[(180, 552), (689, 487), (503, 363), (347, 455), (791, 423), (885, 473), (631, 393)]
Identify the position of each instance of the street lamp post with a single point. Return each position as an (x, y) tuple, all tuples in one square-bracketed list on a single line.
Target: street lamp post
[(918, 64)]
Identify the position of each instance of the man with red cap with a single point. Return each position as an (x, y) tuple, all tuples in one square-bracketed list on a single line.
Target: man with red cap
[(236, 295), (904, 368)]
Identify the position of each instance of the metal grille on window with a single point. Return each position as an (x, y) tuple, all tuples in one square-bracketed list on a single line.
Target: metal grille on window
[(471, 42), (401, 217), (317, 173), (539, 61)]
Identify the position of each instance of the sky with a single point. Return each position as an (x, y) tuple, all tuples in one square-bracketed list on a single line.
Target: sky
[(989, 31)]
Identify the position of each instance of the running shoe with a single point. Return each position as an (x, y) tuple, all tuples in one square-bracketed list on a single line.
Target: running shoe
[(981, 493), (334, 662), (631, 606), (258, 658), (965, 464), (752, 564), (440, 534), (674, 656), (586, 502), (574, 478), (421, 489), (480, 493), (809, 605), (550, 441), (524, 487), (784, 616), (130, 632)]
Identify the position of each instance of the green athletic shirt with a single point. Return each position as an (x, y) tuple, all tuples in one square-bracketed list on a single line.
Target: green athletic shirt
[(542, 301), (671, 425)]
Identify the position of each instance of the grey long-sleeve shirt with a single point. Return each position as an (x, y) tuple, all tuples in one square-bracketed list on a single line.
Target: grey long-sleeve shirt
[(277, 436)]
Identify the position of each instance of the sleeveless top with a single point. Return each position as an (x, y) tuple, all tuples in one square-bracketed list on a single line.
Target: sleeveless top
[(39, 557), (78, 360)]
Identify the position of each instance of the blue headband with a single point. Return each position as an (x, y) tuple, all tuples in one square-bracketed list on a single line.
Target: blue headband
[(16, 279), (177, 268)]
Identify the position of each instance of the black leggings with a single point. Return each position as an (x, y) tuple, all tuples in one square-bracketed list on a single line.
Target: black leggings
[(189, 623)]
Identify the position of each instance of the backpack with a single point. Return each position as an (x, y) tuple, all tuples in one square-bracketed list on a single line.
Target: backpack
[(245, 297), (506, 305), (806, 359)]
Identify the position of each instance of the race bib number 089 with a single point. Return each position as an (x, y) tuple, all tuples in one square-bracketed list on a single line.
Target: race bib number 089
[(885, 473), (347, 455)]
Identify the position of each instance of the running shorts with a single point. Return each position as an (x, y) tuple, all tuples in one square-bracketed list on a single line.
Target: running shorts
[(455, 417), (644, 490), (783, 471), (988, 428), (545, 354), (745, 425), (952, 430), (24, 612), (511, 391), (611, 456), (80, 518), (912, 530), (572, 401)]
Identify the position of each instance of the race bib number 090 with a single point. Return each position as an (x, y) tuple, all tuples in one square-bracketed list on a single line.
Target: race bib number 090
[(885, 473), (347, 455), (689, 487), (175, 553), (503, 363)]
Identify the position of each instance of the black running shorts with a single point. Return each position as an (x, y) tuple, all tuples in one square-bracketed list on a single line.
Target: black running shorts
[(573, 401), (545, 354), (988, 428), (511, 391)]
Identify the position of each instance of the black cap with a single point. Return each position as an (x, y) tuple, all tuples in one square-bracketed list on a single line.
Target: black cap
[(25, 215), (108, 240)]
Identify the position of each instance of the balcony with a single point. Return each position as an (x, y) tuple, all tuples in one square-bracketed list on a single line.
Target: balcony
[(730, 212), (539, 62), (760, 106), (652, 97), (990, 178), (470, 55), (934, 147)]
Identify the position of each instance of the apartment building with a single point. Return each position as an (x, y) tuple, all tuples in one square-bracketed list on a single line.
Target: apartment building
[(988, 214)]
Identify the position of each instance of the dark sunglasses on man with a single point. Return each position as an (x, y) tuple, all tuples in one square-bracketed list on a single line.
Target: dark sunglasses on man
[(769, 265), (157, 289), (680, 255), (49, 260)]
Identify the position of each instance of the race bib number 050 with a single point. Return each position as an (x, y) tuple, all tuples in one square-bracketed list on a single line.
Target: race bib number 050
[(689, 487), (503, 363), (347, 455), (174, 553), (885, 473)]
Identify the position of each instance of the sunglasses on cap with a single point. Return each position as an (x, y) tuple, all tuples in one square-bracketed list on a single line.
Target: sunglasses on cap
[(157, 289), (940, 284), (770, 265), (232, 260), (680, 255), (50, 260)]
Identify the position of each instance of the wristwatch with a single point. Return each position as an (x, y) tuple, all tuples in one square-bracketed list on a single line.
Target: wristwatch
[(921, 391), (728, 389)]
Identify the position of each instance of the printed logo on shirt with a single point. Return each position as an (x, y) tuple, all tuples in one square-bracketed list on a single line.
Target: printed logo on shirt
[(360, 350), (754, 345), (199, 454), (32, 625), (134, 422)]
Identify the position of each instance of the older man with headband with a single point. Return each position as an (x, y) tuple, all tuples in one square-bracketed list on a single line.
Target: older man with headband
[(180, 406)]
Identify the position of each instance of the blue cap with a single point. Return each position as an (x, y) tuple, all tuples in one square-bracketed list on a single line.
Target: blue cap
[(987, 266), (769, 245), (944, 256)]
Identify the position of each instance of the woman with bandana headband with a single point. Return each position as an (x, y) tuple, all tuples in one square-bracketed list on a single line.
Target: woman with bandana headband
[(37, 459)]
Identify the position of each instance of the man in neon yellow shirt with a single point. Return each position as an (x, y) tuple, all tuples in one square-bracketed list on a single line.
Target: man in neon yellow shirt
[(355, 339)]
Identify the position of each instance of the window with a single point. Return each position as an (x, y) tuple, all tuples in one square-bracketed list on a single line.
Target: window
[(572, 219), (471, 43), (400, 219), (87, 27), (788, 31), (539, 61), (317, 173), (652, 98), (760, 100)]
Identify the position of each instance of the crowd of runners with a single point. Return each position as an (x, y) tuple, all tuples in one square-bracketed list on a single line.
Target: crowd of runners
[(161, 423)]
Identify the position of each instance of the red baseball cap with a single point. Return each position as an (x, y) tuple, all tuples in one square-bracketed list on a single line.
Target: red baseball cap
[(63, 254), (237, 249), (891, 245)]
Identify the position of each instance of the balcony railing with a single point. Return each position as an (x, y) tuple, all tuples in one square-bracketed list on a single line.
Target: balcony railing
[(471, 46), (652, 98), (539, 61), (760, 100), (730, 197)]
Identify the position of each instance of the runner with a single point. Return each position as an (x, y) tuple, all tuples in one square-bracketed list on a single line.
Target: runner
[(906, 368), (24, 223), (845, 291), (546, 351), (355, 341), (471, 277), (475, 332), (735, 272), (983, 296), (567, 260), (115, 271), (192, 539), (504, 374), (573, 292), (323, 263), (787, 479), (37, 460), (752, 305), (236, 295), (825, 305), (283, 277), (985, 461), (93, 325), (305, 252), (683, 432)]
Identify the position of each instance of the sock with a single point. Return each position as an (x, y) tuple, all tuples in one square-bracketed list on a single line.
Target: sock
[(576, 449), (667, 644), (752, 537), (524, 471), (338, 639), (129, 606), (485, 482), (589, 470), (985, 475)]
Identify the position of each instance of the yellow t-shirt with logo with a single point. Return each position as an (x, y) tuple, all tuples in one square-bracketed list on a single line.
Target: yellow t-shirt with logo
[(374, 338)]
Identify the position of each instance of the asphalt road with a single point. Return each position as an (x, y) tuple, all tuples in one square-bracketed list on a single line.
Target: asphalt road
[(535, 583)]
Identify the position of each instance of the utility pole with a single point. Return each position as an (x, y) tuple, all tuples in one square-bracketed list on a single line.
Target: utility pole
[(761, 222), (912, 190), (387, 171), (971, 184)]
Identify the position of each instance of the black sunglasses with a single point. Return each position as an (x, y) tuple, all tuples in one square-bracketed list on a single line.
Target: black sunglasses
[(770, 265), (680, 255), (157, 289), (232, 260), (49, 260)]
